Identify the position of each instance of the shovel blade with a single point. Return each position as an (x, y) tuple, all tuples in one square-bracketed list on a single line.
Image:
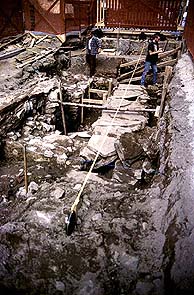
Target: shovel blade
[(71, 223)]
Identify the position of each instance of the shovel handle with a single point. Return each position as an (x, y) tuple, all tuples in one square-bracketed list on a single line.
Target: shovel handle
[(25, 170)]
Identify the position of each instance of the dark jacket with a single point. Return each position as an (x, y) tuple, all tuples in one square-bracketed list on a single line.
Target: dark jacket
[(152, 46)]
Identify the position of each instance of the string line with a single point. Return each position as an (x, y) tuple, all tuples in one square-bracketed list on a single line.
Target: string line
[(73, 207)]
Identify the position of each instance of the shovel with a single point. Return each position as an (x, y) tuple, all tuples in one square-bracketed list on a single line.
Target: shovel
[(71, 219), (71, 222)]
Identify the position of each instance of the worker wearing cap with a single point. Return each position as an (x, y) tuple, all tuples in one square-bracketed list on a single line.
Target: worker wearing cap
[(93, 47), (151, 59)]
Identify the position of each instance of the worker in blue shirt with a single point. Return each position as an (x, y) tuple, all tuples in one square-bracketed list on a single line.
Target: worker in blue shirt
[(93, 47)]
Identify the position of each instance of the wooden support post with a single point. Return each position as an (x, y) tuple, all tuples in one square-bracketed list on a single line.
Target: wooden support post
[(100, 11), (103, 13), (82, 109), (25, 170), (62, 110), (118, 39), (157, 112), (167, 76), (104, 98), (89, 90), (109, 87), (97, 17), (180, 50)]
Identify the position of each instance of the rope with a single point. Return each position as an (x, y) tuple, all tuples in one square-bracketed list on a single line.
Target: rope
[(73, 207)]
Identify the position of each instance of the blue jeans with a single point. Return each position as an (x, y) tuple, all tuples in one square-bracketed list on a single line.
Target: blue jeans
[(147, 66)]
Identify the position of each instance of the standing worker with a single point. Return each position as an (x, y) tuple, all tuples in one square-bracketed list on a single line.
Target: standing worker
[(151, 59), (93, 47)]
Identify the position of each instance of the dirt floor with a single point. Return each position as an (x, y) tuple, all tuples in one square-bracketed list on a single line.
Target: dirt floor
[(133, 239)]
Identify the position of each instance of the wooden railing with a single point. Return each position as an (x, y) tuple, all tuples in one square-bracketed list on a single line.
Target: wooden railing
[(149, 14)]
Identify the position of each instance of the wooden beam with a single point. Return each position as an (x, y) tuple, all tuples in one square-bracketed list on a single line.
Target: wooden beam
[(35, 59), (139, 70), (104, 108), (33, 36), (130, 73), (12, 53), (62, 109), (161, 55), (12, 41), (167, 77), (138, 78), (41, 39), (137, 32), (167, 63), (131, 63), (109, 87), (98, 91), (82, 109), (97, 101)]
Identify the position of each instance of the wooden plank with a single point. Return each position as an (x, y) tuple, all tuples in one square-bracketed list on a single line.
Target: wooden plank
[(35, 59), (130, 73), (98, 91), (33, 36), (140, 69), (131, 63), (11, 53), (12, 41), (171, 62), (87, 100), (169, 53), (112, 110), (82, 109), (80, 104), (161, 55), (109, 87), (167, 77), (41, 39), (30, 55), (61, 38), (129, 111), (138, 78), (112, 50)]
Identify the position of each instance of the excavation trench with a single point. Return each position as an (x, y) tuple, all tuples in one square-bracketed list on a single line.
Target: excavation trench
[(37, 118), (128, 229)]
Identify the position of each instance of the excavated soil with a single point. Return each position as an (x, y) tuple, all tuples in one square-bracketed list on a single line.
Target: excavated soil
[(129, 239)]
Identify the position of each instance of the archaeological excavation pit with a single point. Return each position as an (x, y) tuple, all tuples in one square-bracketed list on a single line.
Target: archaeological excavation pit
[(54, 120), (63, 116)]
